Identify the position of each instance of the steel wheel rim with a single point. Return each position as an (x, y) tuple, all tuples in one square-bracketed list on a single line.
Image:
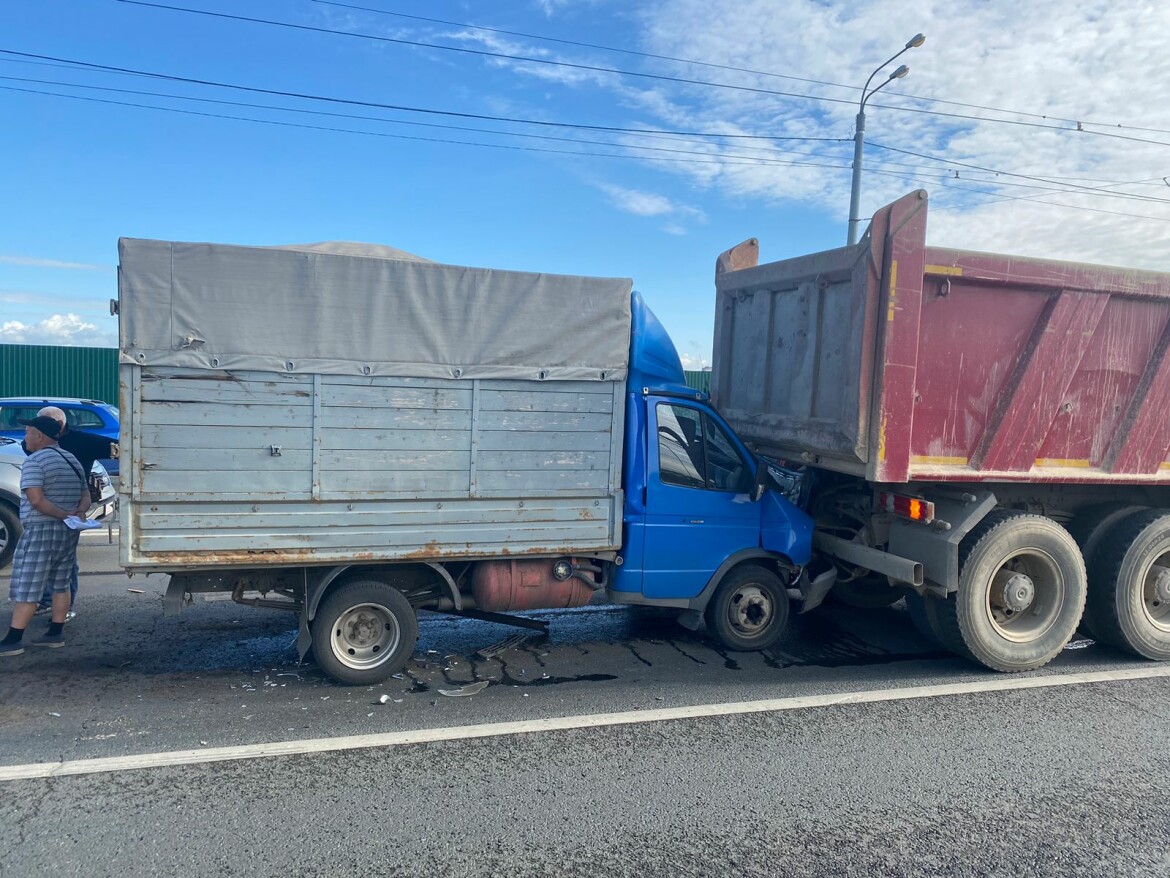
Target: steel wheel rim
[(365, 635), (1156, 592), (1012, 613), (750, 610)]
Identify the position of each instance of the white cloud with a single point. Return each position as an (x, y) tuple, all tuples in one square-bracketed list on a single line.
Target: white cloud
[(694, 362), (493, 42), (1093, 62), (650, 204), (34, 262), (59, 329)]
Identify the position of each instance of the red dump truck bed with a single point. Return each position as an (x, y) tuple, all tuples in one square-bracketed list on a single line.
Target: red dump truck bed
[(900, 362)]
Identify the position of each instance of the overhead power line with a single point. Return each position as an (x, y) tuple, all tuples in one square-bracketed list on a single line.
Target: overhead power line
[(594, 68), (729, 67), (1088, 190), (356, 116), (730, 159), (712, 159), (401, 107), (90, 66)]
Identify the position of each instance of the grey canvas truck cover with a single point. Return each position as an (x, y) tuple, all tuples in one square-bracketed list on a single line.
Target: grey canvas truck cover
[(331, 404)]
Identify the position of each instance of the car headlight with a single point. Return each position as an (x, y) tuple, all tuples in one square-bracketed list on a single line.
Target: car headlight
[(103, 477)]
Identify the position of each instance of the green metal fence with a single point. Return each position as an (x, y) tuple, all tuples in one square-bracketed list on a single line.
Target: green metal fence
[(55, 370), (699, 381)]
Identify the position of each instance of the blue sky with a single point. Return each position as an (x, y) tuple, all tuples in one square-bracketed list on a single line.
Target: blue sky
[(987, 121)]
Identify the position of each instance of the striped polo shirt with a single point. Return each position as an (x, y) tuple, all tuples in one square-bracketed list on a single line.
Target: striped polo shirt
[(55, 472)]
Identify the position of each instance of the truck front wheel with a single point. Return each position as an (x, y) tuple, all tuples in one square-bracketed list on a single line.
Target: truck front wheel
[(749, 609), (1022, 587), (363, 632), (1130, 596)]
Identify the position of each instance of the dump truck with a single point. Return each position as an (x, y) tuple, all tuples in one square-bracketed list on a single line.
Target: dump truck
[(356, 435), (984, 435)]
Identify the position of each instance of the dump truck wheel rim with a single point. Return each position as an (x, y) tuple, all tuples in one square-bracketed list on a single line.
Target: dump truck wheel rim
[(365, 635), (1025, 596), (1156, 593)]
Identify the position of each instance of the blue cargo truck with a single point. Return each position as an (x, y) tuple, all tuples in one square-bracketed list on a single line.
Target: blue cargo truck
[(355, 434)]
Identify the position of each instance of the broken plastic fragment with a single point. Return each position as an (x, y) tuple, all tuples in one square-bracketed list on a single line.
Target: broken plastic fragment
[(135, 591), (470, 689), (385, 699)]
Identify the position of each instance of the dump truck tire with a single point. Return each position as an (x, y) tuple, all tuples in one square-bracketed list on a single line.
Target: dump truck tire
[(1088, 528), (1130, 597), (1021, 595), (866, 593)]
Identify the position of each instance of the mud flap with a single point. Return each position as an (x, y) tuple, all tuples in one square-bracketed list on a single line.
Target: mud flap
[(813, 592), (304, 638), (177, 595)]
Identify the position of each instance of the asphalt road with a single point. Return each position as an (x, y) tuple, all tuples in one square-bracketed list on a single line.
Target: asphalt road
[(1062, 781)]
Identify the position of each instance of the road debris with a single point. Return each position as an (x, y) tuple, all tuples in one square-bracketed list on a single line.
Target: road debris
[(516, 640), (385, 699), (470, 689)]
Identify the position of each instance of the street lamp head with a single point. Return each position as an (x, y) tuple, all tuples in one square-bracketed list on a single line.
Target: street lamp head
[(900, 72), (916, 41)]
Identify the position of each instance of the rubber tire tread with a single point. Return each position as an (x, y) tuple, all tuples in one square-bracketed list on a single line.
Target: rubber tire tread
[(345, 595), (11, 521), (716, 613), (869, 593), (1088, 528), (947, 613), (916, 610), (1108, 567)]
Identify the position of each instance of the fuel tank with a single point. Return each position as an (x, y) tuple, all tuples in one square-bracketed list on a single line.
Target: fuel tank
[(500, 586)]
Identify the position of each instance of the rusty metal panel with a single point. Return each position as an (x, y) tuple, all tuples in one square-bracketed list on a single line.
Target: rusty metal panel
[(795, 347), (976, 366), (57, 370), (261, 468)]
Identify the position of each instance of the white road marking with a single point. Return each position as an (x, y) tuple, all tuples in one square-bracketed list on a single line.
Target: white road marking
[(177, 758)]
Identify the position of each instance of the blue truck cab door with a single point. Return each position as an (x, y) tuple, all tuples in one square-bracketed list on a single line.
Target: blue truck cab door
[(698, 508)]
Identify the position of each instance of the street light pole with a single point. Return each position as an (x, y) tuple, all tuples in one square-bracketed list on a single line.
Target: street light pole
[(859, 135)]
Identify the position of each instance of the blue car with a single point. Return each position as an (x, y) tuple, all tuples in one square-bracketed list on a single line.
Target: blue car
[(86, 415)]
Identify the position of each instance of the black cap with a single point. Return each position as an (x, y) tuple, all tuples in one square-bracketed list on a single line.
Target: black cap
[(44, 423)]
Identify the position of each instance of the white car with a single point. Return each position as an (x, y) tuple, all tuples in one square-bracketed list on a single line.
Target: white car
[(11, 460)]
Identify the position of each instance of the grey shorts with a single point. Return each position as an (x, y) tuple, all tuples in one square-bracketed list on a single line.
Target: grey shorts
[(43, 561)]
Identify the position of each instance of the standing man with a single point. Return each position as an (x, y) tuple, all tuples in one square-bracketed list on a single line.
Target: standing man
[(86, 448), (53, 487)]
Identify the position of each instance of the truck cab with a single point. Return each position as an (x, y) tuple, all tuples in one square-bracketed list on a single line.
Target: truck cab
[(696, 517)]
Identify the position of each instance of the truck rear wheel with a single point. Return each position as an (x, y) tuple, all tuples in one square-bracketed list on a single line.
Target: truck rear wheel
[(1021, 594), (870, 592), (1088, 528), (1130, 597), (749, 609), (363, 632)]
